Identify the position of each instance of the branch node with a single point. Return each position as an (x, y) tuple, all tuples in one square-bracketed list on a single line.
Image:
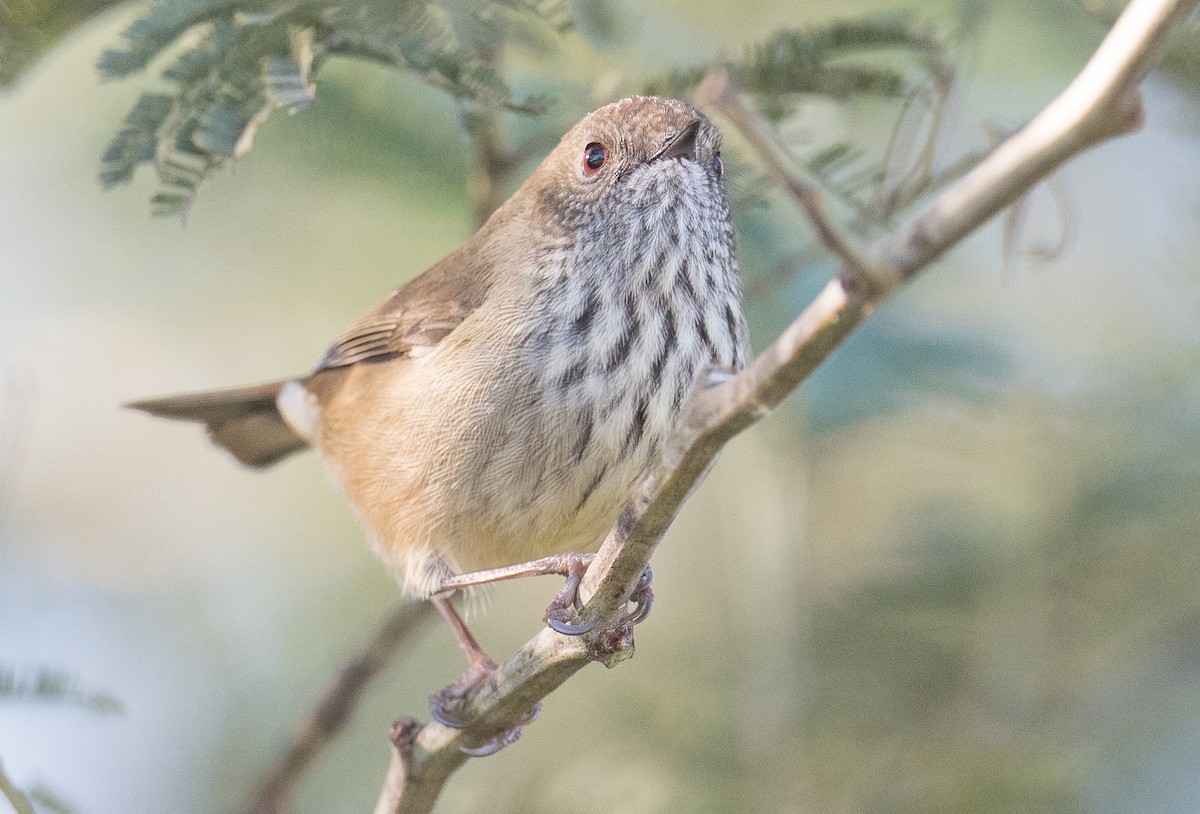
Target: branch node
[(857, 286), (1132, 112), (611, 646), (403, 736)]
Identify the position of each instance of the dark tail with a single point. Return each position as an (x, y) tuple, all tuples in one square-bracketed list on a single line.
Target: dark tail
[(245, 421)]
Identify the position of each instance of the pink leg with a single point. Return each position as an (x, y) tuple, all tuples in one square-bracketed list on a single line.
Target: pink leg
[(566, 603), (477, 659), (480, 669), (559, 564)]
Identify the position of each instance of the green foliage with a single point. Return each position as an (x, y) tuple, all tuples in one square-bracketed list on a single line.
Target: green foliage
[(889, 58), (949, 680), (49, 686), (841, 58), (234, 63), (46, 686), (596, 21), (222, 88), (230, 63)]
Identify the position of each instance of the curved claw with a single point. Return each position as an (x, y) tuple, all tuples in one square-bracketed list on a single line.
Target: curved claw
[(642, 610), (439, 714), (504, 738), (643, 597), (490, 748), (568, 629), (531, 716), (644, 582), (567, 600), (455, 696)]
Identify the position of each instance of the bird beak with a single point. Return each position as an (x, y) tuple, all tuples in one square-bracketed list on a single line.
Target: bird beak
[(683, 145)]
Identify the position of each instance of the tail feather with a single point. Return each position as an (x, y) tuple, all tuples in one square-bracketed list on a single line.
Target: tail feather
[(245, 421)]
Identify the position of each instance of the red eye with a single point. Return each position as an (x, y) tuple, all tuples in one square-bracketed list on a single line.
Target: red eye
[(594, 156)]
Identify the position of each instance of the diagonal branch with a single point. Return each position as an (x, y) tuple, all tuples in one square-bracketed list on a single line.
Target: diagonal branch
[(1102, 102), (15, 797), (333, 710), (806, 189)]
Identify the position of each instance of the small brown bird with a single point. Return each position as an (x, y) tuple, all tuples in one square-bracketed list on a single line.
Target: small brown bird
[(503, 405)]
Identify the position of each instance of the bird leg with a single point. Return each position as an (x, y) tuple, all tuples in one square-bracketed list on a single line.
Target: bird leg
[(446, 705), (478, 661), (560, 564), (566, 603), (481, 669)]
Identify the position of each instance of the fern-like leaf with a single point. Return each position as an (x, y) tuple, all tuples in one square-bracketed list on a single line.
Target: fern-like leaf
[(882, 57), (137, 140), (49, 686), (828, 60), (244, 59), (149, 36)]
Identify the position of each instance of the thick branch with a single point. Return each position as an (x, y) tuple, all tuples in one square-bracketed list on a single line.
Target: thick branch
[(1102, 102)]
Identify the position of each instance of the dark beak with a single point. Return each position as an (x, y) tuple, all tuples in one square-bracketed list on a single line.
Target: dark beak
[(683, 145)]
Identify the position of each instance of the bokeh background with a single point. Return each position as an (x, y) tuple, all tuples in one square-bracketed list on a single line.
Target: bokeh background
[(958, 571)]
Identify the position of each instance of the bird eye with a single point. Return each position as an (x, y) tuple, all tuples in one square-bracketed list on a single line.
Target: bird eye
[(718, 164), (594, 156)]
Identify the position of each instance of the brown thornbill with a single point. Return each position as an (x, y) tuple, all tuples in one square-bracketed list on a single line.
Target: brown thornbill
[(502, 406)]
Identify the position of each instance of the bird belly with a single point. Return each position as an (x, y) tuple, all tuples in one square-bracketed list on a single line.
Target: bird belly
[(506, 444), (449, 475)]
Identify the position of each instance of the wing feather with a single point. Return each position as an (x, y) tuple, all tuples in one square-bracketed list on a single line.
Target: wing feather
[(419, 314)]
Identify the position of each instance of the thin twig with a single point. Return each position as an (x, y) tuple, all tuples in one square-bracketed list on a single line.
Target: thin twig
[(336, 705), (494, 164), (922, 166), (893, 142), (718, 92), (1101, 103), (486, 182), (16, 798), (906, 194)]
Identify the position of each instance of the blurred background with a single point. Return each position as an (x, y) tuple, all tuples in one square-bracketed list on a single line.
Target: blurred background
[(958, 571)]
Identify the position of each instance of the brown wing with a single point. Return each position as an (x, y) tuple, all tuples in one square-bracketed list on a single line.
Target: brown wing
[(393, 332), (421, 313)]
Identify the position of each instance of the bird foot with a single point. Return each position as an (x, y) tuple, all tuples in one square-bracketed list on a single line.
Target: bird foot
[(564, 609), (565, 605), (448, 705), (642, 597), (510, 735)]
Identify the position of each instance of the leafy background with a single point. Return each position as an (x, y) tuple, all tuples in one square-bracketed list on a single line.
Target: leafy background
[(958, 571)]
